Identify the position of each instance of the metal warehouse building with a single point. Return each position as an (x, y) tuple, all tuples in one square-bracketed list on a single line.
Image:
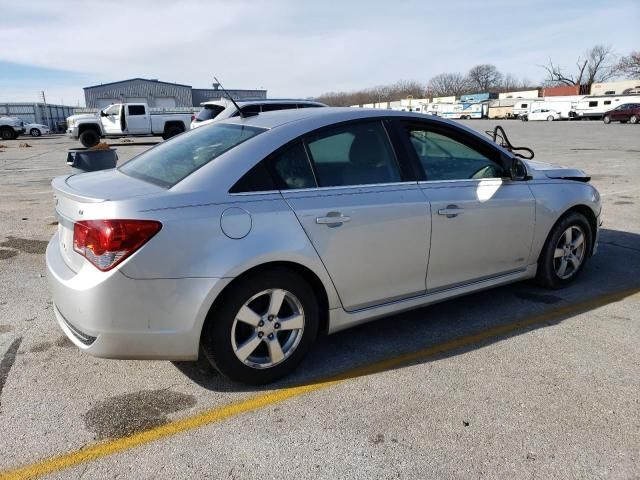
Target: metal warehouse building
[(157, 94), (47, 114)]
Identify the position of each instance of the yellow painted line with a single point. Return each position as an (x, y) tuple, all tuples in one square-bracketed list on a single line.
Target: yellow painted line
[(103, 449)]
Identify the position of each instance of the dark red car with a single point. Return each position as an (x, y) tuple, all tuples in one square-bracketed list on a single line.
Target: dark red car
[(629, 112)]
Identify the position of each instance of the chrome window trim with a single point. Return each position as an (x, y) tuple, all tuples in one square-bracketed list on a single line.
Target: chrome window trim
[(422, 182), (349, 187)]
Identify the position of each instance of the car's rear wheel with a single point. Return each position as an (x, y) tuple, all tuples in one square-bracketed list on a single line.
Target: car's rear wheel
[(262, 327), (606, 119), (171, 131), (35, 132), (633, 119), (565, 251)]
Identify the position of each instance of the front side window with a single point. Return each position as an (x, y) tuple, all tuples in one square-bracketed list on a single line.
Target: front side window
[(112, 110), (353, 154), (445, 158), (172, 161)]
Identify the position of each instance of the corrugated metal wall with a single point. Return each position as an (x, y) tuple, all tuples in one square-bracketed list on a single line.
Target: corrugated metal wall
[(139, 89), (52, 115)]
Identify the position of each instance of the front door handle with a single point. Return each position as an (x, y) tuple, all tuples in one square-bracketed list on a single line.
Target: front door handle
[(451, 211), (333, 219)]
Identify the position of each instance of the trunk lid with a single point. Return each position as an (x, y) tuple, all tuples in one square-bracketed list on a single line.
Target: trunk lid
[(84, 197)]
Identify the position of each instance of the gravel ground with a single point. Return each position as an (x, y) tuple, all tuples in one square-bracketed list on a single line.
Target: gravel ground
[(558, 399)]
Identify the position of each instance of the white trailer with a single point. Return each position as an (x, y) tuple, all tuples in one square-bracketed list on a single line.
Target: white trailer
[(594, 107), (523, 106), (462, 111)]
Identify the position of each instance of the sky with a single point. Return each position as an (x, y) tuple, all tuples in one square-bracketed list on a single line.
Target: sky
[(292, 48)]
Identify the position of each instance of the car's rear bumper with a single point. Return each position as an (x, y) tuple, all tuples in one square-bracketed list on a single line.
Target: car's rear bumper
[(110, 315)]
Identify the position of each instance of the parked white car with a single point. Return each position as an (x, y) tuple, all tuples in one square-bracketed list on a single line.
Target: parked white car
[(217, 110), (36, 129), (542, 114)]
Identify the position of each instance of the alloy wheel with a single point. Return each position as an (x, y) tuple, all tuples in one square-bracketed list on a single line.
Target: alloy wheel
[(569, 252), (268, 328)]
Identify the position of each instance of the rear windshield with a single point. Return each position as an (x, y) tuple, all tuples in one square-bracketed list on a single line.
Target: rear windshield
[(209, 112), (176, 159)]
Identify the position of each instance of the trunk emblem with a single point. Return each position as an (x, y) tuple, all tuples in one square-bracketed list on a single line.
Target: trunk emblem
[(80, 212)]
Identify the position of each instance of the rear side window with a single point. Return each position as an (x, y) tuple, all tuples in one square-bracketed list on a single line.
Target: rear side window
[(258, 179), (353, 154), (136, 109), (292, 169), (593, 104), (173, 160), (308, 105), (209, 112), (270, 107)]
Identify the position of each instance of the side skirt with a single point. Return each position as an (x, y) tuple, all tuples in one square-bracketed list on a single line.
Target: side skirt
[(339, 319)]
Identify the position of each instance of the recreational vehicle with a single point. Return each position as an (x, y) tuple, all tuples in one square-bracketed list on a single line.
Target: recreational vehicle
[(594, 107)]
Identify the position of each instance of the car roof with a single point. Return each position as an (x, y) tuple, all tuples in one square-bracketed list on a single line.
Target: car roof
[(253, 101)]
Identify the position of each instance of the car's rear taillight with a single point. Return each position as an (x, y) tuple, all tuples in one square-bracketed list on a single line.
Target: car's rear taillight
[(193, 117), (106, 243)]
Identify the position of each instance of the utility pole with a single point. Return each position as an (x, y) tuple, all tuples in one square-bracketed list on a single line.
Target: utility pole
[(46, 113)]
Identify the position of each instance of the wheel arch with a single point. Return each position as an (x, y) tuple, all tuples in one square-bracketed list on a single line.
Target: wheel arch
[(89, 126), (584, 210), (174, 123), (302, 270)]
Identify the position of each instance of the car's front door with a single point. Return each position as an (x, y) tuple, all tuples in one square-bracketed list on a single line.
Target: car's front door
[(482, 221), (138, 120), (369, 223), (111, 119)]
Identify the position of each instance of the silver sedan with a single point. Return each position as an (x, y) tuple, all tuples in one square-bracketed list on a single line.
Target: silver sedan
[(248, 238)]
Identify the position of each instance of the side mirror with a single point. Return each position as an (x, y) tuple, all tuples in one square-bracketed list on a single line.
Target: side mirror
[(518, 169), (102, 114)]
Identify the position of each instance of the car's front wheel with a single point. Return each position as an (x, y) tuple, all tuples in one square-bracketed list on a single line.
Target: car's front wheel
[(550, 118), (565, 251), (35, 132), (262, 327)]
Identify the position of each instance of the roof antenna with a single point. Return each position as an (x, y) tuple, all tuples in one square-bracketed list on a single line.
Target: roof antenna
[(240, 112)]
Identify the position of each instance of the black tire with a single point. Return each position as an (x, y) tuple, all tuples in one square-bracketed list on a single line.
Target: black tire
[(89, 138), (547, 276), (172, 131), (606, 119), (8, 133), (35, 132), (633, 119), (217, 332)]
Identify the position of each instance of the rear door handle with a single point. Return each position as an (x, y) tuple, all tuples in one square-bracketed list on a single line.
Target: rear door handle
[(333, 219), (451, 211)]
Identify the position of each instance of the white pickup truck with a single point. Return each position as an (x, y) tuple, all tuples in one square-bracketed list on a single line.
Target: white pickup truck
[(125, 120)]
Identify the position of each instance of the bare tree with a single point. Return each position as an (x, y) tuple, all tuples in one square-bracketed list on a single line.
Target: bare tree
[(484, 77), (596, 65), (384, 93), (446, 84), (630, 65)]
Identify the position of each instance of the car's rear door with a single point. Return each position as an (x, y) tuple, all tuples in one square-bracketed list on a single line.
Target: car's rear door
[(364, 215), (481, 221), (138, 119)]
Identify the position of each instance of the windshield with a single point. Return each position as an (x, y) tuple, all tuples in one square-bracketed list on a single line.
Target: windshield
[(209, 112), (176, 159)]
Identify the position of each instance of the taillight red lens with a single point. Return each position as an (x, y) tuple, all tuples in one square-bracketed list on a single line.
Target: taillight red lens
[(106, 243), (193, 117)]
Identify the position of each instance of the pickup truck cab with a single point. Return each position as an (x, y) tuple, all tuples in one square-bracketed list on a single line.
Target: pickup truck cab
[(11, 128), (123, 120)]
